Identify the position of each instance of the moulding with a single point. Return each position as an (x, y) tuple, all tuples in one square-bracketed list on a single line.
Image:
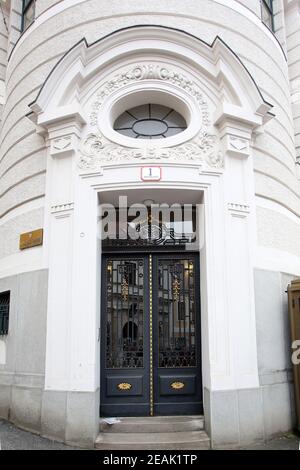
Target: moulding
[(83, 64), (150, 72), (66, 207), (238, 209)]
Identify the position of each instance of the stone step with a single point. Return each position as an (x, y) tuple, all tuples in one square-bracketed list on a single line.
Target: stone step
[(192, 440), (154, 424)]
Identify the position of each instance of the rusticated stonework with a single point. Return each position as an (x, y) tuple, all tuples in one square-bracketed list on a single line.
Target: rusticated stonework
[(96, 150)]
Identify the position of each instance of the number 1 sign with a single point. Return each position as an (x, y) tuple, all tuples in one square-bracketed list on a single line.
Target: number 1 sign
[(151, 173)]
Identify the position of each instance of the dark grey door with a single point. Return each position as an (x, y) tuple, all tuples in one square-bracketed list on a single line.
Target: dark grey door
[(176, 335), (150, 341), (125, 336)]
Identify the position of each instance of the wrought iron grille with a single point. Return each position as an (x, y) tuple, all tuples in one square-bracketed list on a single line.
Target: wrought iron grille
[(166, 240), (125, 313), (4, 312), (152, 233), (176, 313)]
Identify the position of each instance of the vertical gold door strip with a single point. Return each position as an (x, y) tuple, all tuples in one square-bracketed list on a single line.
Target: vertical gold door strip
[(151, 338)]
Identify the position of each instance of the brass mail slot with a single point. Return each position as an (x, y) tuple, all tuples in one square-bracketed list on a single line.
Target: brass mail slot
[(31, 239)]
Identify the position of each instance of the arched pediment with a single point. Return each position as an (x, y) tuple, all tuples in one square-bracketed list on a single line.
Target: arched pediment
[(215, 67)]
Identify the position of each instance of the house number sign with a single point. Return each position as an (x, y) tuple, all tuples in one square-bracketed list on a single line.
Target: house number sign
[(151, 173)]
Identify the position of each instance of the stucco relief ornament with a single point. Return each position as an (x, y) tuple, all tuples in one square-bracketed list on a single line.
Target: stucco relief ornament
[(96, 151), (150, 72)]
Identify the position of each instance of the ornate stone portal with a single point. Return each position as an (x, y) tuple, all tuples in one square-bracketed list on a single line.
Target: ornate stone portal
[(78, 122)]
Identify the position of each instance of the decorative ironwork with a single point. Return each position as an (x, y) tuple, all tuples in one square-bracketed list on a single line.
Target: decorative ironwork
[(155, 230), (124, 289), (125, 313), (176, 316), (177, 385), (176, 289), (124, 386), (150, 121), (168, 239)]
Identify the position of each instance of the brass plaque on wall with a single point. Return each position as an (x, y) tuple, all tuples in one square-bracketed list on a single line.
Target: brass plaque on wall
[(31, 239)]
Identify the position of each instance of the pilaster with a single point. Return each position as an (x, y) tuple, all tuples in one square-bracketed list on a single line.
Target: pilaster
[(239, 242)]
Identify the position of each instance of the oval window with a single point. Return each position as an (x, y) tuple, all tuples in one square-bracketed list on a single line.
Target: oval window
[(150, 121)]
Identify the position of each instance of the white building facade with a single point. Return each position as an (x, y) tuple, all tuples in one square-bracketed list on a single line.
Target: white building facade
[(69, 71)]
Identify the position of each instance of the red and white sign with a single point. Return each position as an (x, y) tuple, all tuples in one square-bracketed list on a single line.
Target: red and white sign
[(151, 173)]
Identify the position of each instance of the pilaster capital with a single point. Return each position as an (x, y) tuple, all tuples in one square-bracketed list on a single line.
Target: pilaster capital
[(63, 135), (236, 126)]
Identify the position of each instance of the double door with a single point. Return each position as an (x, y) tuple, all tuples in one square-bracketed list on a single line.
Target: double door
[(150, 340)]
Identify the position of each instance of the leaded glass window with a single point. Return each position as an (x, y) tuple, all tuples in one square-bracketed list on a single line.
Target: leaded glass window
[(150, 121)]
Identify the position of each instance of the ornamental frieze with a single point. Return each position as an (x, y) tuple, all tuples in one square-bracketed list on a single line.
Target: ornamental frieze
[(150, 72), (96, 151)]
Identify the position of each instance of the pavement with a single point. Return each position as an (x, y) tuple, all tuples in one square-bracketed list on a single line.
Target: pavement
[(285, 442), (13, 438)]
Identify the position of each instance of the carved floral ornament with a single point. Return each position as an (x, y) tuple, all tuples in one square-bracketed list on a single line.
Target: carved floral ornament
[(149, 72), (204, 148), (96, 150)]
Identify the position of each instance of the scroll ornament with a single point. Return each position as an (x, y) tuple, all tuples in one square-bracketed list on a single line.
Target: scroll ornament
[(96, 151), (204, 149)]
